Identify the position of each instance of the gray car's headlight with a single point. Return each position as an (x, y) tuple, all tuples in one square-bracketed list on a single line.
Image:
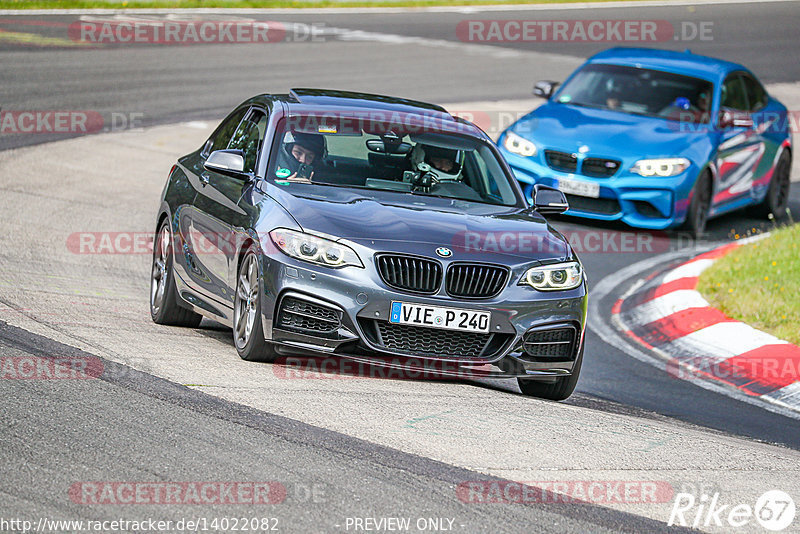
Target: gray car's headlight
[(518, 145), (314, 249), (555, 277), (660, 166)]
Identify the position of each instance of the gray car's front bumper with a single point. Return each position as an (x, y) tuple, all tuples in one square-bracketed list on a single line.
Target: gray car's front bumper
[(361, 298)]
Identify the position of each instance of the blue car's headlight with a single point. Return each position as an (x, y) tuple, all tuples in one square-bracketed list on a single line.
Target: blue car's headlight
[(556, 277), (518, 145), (660, 166), (314, 249)]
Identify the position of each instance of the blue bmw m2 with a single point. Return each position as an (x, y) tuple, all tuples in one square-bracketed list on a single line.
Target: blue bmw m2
[(657, 139)]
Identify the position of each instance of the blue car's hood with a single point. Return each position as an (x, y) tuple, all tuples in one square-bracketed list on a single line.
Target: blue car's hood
[(420, 224), (608, 133)]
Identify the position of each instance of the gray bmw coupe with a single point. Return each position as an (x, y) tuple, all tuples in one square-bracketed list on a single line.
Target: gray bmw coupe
[(371, 228)]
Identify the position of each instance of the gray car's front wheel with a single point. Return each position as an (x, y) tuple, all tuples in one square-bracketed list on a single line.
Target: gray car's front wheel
[(164, 307), (248, 333), (558, 390)]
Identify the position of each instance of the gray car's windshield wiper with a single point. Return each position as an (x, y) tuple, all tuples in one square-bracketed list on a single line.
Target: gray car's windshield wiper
[(420, 193)]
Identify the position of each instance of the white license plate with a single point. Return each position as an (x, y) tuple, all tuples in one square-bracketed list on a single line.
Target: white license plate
[(438, 317), (574, 187)]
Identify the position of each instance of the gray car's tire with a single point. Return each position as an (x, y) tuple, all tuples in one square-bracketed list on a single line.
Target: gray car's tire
[(558, 390), (164, 307), (697, 214), (248, 332), (778, 193)]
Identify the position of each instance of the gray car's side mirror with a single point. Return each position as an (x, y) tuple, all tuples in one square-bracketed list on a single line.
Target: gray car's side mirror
[(228, 162), (549, 201), (545, 88)]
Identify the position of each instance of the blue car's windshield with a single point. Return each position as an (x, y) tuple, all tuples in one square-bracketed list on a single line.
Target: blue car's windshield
[(416, 159), (640, 92)]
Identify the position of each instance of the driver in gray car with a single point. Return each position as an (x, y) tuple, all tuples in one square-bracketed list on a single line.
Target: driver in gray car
[(298, 155), (443, 162)]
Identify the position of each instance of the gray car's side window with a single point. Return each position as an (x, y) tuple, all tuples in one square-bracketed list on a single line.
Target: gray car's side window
[(733, 94), (222, 135), (249, 136)]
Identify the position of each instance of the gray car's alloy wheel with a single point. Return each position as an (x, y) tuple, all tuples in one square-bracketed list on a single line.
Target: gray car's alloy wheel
[(558, 390), (248, 333), (164, 308)]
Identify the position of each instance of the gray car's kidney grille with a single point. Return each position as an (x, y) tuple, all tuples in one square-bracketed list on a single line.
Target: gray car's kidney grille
[(431, 341), (410, 273), (307, 317), (475, 280)]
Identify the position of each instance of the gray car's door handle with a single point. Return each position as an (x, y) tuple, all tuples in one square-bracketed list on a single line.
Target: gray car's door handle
[(204, 178)]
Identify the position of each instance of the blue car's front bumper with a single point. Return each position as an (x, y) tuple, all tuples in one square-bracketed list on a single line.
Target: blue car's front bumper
[(654, 203)]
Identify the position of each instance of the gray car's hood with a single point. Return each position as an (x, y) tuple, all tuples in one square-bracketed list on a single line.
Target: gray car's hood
[(419, 224)]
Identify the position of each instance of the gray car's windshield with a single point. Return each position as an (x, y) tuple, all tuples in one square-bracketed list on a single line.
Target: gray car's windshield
[(414, 160), (639, 91)]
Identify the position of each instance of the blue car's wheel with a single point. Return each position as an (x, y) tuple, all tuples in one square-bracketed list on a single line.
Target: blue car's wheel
[(777, 197), (697, 214)]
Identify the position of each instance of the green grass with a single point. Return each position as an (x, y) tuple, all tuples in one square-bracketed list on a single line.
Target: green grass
[(759, 284), (151, 4)]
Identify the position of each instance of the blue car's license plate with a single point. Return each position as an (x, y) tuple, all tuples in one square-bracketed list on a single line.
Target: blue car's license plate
[(439, 317), (577, 187)]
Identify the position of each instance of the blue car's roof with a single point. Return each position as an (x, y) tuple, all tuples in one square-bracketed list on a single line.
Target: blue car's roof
[(667, 60)]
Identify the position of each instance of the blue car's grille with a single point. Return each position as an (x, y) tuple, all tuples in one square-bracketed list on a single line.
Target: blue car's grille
[(602, 206), (410, 273), (647, 209), (596, 167), (599, 167), (561, 161), (475, 280)]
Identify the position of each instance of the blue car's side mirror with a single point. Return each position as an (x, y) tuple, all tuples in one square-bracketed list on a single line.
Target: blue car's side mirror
[(545, 88), (730, 118)]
